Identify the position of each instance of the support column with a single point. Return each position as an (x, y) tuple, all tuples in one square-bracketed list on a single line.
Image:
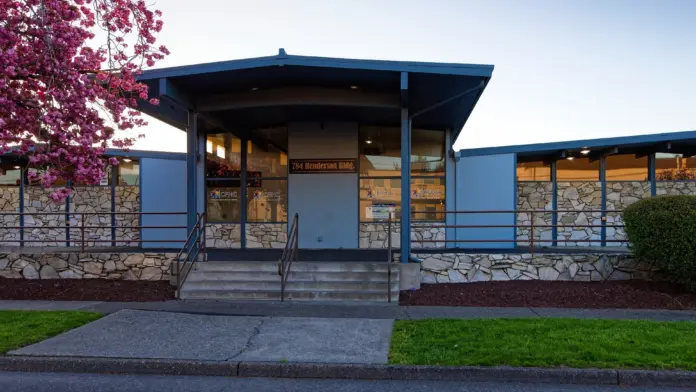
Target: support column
[(603, 179), (651, 174), (243, 186), (191, 153), (450, 189), (405, 172)]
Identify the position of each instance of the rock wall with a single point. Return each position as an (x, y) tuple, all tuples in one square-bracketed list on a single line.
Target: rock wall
[(9, 202), (456, 268), (223, 235), (74, 265), (621, 194), (374, 235), (48, 230), (127, 200), (535, 195), (580, 196), (266, 235), (675, 188), (91, 204)]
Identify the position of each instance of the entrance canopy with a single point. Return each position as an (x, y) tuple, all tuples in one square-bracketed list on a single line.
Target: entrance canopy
[(240, 95)]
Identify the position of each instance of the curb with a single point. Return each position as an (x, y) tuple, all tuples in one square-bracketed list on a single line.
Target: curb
[(347, 371)]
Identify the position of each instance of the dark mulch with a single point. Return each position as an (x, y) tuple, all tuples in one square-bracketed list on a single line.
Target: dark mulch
[(85, 290), (545, 294)]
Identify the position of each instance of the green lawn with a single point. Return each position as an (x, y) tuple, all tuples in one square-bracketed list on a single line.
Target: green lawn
[(20, 328), (546, 343)]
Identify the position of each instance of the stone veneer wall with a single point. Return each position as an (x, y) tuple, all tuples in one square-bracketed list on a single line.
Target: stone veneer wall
[(50, 230), (223, 235), (579, 196), (93, 204), (535, 195), (127, 199), (73, 265), (9, 202), (266, 235), (374, 235), (455, 268), (675, 188), (621, 194)]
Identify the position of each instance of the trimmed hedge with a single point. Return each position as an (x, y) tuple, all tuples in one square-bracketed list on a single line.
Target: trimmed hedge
[(662, 231)]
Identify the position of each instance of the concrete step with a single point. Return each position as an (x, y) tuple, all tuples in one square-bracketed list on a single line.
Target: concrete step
[(347, 286), (259, 266), (274, 295), (206, 275)]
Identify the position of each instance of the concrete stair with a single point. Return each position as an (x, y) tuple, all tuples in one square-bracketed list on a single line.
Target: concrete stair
[(307, 281)]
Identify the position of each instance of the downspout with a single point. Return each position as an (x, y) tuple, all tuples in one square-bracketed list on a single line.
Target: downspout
[(481, 85)]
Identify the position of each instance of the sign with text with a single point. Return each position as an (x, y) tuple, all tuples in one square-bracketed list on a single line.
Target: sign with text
[(298, 166)]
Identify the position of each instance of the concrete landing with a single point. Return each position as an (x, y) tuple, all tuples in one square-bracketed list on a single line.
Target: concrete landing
[(165, 335)]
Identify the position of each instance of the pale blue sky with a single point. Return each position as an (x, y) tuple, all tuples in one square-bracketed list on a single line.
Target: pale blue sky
[(563, 69)]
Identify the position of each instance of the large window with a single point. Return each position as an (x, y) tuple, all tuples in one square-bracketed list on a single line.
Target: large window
[(223, 178), (380, 174), (533, 171), (10, 174), (626, 167), (578, 169), (672, 167), (128, 173)]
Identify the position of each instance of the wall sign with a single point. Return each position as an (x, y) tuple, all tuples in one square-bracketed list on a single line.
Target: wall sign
[(298, 166)]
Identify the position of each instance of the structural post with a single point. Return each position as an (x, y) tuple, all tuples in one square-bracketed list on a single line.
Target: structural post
[(554, 203), (651, 174), (191, 153), (603, 180), (405, 172), (243, 186)]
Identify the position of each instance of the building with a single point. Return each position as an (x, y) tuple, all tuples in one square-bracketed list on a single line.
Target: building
[(343, 145)]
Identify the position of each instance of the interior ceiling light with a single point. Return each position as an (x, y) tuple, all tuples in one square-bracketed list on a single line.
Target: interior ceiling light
[(254, 88), (17, 167), (368, 141), (570, 158), (127, 160), (353, 87), (584, 151)]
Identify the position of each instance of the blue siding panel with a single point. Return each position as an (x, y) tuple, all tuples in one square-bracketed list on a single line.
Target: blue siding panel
[(163, 189)]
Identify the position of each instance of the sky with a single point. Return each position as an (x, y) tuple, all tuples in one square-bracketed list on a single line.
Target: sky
[(564, 70)]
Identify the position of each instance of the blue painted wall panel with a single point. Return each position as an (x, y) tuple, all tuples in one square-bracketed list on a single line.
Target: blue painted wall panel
[(163, 189), (486, 183)]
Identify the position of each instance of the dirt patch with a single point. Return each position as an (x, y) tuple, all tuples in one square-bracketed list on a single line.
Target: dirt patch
[(545, 294), (85, 290)]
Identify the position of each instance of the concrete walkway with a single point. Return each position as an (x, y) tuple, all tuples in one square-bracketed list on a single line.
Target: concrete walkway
[(182, 336), (382, 311)]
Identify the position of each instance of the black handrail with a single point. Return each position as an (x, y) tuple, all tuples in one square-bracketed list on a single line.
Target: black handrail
[(290, 254), (196, 237)]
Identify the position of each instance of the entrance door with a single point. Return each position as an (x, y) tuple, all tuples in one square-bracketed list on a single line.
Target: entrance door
[(328, 209)]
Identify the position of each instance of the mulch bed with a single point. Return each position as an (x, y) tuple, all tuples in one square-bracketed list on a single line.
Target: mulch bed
[(598, 295), (85, 290)]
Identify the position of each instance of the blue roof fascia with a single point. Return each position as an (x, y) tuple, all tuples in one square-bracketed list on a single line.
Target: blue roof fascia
[(308, 61), (146, 154), (541, 148)]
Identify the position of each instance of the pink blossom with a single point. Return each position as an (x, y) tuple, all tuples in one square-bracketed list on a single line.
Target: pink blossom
[(50, 80)]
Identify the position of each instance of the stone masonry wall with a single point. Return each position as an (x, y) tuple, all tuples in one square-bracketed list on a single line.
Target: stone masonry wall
[(49, 230), (73, 265), (579, 196), (455, 268), (535, 195), (9, 202), (621, 194), (266, 235), (92, 204), (127, 200), (675, 188), (374, 235), (223, 235)]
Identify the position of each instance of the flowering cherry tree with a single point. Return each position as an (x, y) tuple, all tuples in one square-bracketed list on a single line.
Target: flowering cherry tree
[(68, 82)]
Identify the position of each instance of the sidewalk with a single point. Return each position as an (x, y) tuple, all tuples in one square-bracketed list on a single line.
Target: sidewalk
[(381, 311)]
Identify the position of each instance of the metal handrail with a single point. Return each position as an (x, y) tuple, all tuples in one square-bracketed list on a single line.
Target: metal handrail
[(197, 234), (389, 257), (290, 254)]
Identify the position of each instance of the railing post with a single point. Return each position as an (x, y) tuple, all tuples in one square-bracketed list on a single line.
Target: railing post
[(531, 231), (389, 256), (82, 231)]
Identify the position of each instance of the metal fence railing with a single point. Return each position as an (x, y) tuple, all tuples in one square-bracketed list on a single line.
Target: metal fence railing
[(530, 239), (33, 229)]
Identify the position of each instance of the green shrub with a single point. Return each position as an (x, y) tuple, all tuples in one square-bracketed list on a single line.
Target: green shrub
[(662, 231)]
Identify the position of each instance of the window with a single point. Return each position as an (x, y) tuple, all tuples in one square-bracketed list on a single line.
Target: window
[(380, 174), (10, 174), (578, 169), (128, 173), (267, 164), (626, 167), (223, 178), (268, 201), (674, 167), (533, 171), (269, 159), (223, 200)]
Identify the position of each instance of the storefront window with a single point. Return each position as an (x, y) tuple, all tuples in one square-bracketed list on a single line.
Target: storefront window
[(379, 197), (578, 169), (268, 201), (674, 167), (223, 155), (380, 152), (10, 175), (223, 200), (533, 171), (626, 167), (269, 159), (427, 152), (128, 173), (223, 178)]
